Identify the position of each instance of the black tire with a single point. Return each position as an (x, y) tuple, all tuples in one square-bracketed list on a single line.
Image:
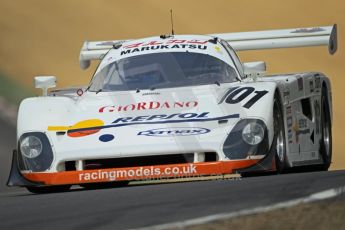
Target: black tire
[(49, 189), (326, 131), (279, 135)]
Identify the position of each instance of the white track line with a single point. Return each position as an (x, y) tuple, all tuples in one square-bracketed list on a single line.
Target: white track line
[(326, 194)]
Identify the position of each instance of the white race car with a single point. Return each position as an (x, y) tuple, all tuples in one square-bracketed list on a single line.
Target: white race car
[(176, 106)]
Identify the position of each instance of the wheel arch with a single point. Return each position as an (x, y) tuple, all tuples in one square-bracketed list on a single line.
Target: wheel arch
[(37, 113)]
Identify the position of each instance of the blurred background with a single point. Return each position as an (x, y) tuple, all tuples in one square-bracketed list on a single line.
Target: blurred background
[(39, 37)]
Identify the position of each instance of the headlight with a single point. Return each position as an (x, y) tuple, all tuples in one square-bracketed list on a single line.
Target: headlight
[(31, 147), (35, 151), (253, 133)]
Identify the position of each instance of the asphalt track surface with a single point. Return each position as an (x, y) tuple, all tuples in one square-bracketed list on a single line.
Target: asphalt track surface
[(146, 205)]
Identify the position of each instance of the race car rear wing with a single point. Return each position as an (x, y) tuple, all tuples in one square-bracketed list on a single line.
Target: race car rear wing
[(288, 38), (95, 50), (256, 40)]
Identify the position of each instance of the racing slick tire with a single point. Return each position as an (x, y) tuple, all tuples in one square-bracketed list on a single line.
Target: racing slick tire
[(279, 135), (48, 189), (326, 132)]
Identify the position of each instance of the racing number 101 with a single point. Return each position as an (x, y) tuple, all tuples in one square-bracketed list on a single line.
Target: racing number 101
[(236, 95)]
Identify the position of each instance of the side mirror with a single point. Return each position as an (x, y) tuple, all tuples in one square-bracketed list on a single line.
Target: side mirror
[(44, 83), (254, 68)]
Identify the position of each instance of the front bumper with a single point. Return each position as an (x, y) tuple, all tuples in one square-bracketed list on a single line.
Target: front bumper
[(125, 174), (137, 173), (146, 172)]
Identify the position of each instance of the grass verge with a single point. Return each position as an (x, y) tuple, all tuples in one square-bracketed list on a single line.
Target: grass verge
[(328, 214), (12, 91)]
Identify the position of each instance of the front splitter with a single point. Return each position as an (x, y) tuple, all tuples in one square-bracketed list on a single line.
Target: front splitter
[(156, 172)]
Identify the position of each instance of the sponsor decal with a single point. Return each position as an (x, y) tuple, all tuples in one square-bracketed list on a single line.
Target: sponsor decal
[(288, 110), (150, 93), (302, 123), (311, 85), (317, 83), (168, 132), (304, 131), (166, 42), (106, 137), (313, 154), (317, 109), (156, 172), (308, 30), (138, 173), (286, 95), (151, 105), (218, 49), (159, 117), (290, 136), (93, 126), (300, 83), (110, 43), (289, 124), (163, 47), (237, 94), (300, 128)]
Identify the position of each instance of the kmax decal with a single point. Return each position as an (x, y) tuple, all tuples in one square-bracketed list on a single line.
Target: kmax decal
[(169, 132), (150, 105)]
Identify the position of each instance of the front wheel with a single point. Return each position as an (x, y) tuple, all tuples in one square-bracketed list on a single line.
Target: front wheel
[(326, 132), (279, 135)]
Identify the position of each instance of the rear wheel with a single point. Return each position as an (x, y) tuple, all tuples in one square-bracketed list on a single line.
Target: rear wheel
[(48, 189), (279, 135), (326, 132)]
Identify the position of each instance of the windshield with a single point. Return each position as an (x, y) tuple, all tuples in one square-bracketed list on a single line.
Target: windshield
[(163, 70)]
